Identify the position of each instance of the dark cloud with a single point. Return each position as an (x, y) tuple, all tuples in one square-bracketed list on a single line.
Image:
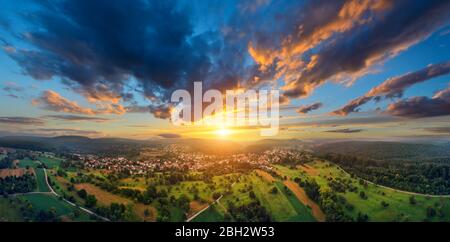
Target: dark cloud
[(352, 106), (77, 118), (170, 136), (345, 131), (419, 107), (394, 87), (441, 130), (98, 48), (308, 108), (161, 111), (137, 109), (21, 121), (352, 54), (98, 45)]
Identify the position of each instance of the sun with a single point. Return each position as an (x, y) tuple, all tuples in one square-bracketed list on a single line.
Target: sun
[(223, 132)]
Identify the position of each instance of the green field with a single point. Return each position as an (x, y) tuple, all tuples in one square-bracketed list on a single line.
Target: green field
[(399, 208), (50, 162), (303, 212), (9, 212), (46, 202), (212, 214), (28, 162), (41, 183), (277, 204)]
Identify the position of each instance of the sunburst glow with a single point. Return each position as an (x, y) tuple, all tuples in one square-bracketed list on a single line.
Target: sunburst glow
[(223, 132)]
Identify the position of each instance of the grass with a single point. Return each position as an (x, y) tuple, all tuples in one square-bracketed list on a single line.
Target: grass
[(46, 202), (50, 162), (303, 212), (28, 162), (176, 214), (41, 183), (399, 208), (9, 212), (278, 205), (212, 214), (103, 197)]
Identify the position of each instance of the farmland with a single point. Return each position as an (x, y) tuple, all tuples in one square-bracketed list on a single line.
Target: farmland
[(301, 188), (9, 211), (41, 183), (48, 202), (397, 205)]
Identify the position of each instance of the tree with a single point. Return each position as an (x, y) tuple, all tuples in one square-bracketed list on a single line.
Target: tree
[(147, 212), (216, 195), (183, 202), (82, 193), (90, 201), (362, 195), (431, 212), (362, 217), (412, 200), (274, 190), (384, 204)]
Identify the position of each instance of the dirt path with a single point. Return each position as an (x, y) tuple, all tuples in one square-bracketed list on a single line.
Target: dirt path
[(301, 195), (71, 203)]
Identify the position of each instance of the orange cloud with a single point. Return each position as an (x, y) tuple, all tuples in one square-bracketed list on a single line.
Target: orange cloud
[(53, 101)]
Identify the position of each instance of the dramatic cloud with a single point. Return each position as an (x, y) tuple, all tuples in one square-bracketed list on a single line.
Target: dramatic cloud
[(394, 87), (352, 106), (161, 111), (21, 121), (394, 31), (97, 46), (441, 130), (419, 107), (137, 109), (170, 136), (53, 101), (103, 49), (345, 131), (309, 108), (77, 118)]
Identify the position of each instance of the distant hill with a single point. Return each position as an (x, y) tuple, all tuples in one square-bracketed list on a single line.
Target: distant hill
[(386, 150), (266, 144), (75, 144)]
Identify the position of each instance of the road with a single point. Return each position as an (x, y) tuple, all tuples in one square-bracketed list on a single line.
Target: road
[(69, 202)]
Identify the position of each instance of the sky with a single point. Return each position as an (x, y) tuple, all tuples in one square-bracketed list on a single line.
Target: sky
[(366, 69)]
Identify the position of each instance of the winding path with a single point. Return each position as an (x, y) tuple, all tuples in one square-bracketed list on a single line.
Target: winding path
[(69, 202)]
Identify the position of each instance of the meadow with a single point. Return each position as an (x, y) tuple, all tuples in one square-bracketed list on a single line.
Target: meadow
[(397, 205), (40, 178), (49, 202), (9, 212)]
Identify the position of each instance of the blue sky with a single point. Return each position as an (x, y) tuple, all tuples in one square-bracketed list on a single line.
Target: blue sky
[(107, 68)]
